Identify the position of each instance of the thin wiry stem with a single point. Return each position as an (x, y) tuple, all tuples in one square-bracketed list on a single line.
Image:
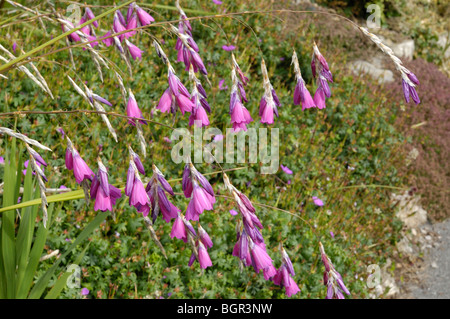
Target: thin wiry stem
[(19, 113)]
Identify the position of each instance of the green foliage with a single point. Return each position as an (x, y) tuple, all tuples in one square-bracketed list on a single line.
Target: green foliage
[(344, 154)]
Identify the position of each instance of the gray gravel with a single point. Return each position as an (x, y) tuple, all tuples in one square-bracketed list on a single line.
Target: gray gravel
[(435, 280)]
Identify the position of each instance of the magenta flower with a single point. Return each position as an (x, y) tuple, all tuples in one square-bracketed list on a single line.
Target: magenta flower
[(104, 193), (178, 229), (175, 95), (89, 15), (14, 47), (260, 259), (84, 291), (132, 24), (321, 71), (218, 2), (143, 16), (118, 25), (283, 277), (133, 110), (204, 237), (108, 42), (286, 169), (302, 96), (332, 279), (198, 98), (268, 106), (156, 190), (240, 116), (319, 98), (74, 162), (135, 52), (409, 89), (2, 160), (203, 256), (317, 201), (228, 47), (197, 187), (138, 195)]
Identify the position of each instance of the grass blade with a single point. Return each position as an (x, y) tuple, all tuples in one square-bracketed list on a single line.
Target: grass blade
[(42, 283), (8, 223), (62, 281)]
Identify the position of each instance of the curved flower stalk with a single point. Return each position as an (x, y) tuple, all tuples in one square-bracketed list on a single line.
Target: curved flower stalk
[(26, 139), (199, 241), (176, 94), (240, 116), (409, 79), (38, 79), (199, 190), (85, 38), (269, 102), (156, 190), (250, 247), (83, 174), (321, 72), (332, 279), (104, 193), (301, 93), (35, 157), (188, 52), (134, 188), (284, 275), (93, 100), (198, 98), (242, 80)]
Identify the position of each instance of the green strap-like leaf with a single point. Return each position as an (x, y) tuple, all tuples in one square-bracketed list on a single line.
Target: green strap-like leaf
[(62, 281), (42, 283), (7, 226)]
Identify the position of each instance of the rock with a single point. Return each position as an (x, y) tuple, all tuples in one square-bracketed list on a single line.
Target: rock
[(404, 246), (443, 41), (409, 210), (404, 49), (434, 264), (364, 67)]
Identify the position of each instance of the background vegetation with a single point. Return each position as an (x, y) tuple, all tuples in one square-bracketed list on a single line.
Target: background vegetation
[(350, 155)]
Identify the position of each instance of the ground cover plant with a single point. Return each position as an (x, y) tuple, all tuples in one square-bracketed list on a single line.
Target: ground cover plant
[(89, 110)]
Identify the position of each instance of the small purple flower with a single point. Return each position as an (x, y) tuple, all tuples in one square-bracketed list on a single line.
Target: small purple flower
[(84, 291), (2, 160), (61, 131), (62, 187), (19, 199), (14, 47), (317, 201), (286, 170), (217, 2), (221, 86), (228, 47), (218, 137), (331, 234), (26, 166), (167, 140), (233, 212)]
